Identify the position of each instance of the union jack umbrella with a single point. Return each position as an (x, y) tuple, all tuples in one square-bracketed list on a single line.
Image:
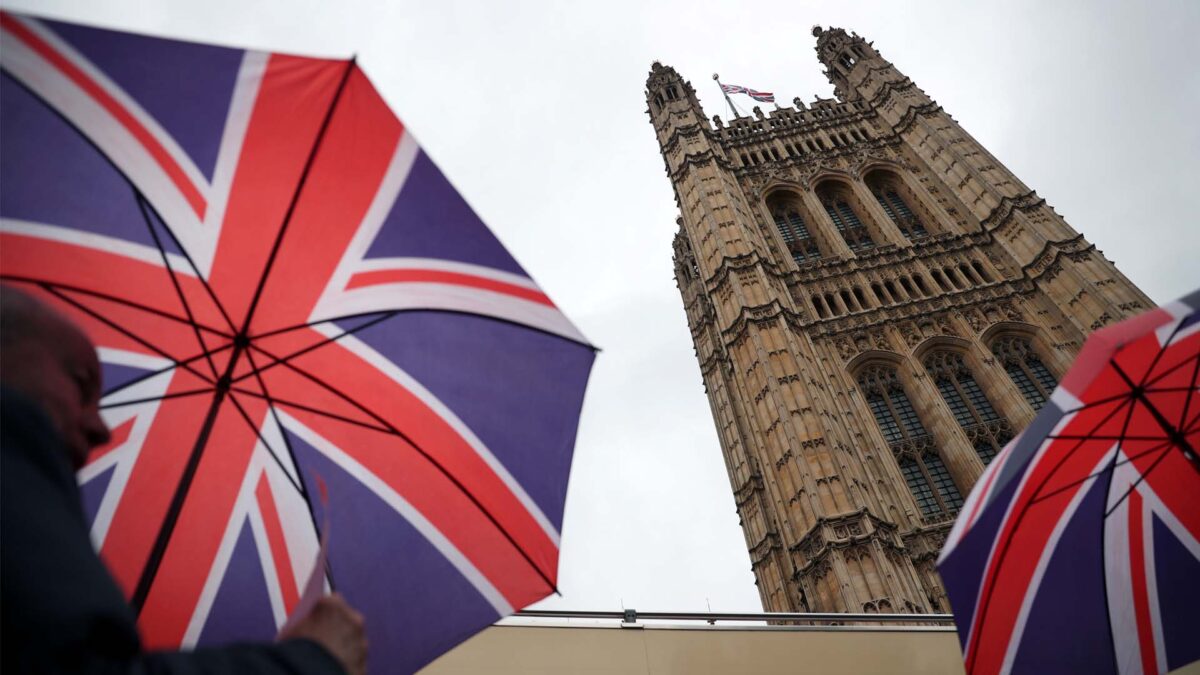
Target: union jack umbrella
[(1078, 550), (285, 292)]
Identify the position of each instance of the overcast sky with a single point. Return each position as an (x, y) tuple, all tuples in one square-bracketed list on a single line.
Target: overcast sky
[(535, 110)]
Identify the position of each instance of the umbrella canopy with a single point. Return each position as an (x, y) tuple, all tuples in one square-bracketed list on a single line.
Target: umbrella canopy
[(1078, 550), (285, 292)]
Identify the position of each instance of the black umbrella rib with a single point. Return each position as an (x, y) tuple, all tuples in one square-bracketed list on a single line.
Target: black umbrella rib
[(432, 310), (111, 298), (195, 268), (1175, 390), (256, 371), (1097, 403), (155, 373), (1079, 444), (287, 444), (1157, 357), (187, 309), (262, 439), (1191, 391), (1141, 477), (1133, 486), (1169, 371), (127, 333), (291, 209), (393, 431), (121, 172), (1149, 451), (1174, 433), (164, 397), (307, 408)]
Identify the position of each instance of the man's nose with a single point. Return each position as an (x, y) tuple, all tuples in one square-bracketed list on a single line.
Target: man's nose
[(96, 430)]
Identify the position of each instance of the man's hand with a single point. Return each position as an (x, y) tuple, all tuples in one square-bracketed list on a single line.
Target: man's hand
[(337, 627)]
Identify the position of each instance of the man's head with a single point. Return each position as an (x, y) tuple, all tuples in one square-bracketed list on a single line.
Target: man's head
[(48, 359)]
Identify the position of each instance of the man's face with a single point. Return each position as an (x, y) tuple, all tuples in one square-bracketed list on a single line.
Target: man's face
[(56, 366)]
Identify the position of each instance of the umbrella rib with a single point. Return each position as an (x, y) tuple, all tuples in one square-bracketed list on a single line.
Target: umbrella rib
[(275, 362), (1173, 433), (1079, 443), (1159, 377), (1174, 390), (1080, 481), (123, 331), (986, 596), (155, 373), (432, 310), (1141, 477), (164, 397), (111, 298), (141, 200), (287, 216), (262, 439), (1161, 350), (1191, 391), (307, 408), (287, 444), (120, 172), (1097, 403), (212, 295), (392, 430), (310, 324)]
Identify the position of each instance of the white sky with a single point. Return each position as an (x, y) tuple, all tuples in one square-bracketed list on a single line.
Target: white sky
[(535, 110)]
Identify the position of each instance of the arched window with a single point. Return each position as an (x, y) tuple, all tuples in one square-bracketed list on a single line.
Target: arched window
[(1032, 377), (795, 234), (923, 469), (900, 214), (931, 485), (886, 188), (846, 220), (987, 431), (889, 403)]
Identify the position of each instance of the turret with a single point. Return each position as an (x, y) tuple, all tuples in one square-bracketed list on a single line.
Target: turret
[(859, 72), (671, 102)]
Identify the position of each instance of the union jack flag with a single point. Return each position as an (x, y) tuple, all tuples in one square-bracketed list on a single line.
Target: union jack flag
[(1079, 548), (765, 97), (282, 285)]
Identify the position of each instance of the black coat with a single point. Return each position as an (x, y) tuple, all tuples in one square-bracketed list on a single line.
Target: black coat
[(62, 612)]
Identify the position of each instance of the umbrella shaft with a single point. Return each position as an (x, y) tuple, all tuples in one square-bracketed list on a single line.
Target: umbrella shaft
[(154, 560)]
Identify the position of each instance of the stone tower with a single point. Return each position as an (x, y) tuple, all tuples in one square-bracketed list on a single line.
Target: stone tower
[(877, 305)]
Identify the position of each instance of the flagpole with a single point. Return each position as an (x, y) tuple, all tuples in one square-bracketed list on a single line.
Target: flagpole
[(724, 93)]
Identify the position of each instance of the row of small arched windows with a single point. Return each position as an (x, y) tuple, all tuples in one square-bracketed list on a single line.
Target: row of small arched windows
[(920, 460), (810, 145), (903, 289)]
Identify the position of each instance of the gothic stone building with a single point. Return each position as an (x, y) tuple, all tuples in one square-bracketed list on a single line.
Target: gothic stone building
[(877, 305)]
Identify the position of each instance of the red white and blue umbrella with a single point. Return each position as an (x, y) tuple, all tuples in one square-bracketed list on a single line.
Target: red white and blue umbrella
[(288, 298), (1078, 551)]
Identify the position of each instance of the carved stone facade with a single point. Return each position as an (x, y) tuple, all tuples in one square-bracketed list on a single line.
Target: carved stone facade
[(877, 303)]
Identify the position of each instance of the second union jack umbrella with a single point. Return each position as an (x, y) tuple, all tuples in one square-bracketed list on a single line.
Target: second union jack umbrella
[(285, 292), (1078, 551)]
